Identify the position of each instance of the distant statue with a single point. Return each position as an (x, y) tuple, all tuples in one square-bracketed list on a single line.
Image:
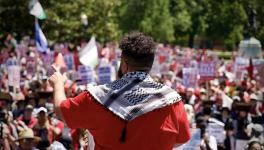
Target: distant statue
[(251, 24)]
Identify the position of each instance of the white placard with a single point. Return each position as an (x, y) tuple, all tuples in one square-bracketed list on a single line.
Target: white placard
[(193, 143), (190, 77), (14, 76), (69, 60), (207, 70), (217, 131), (105, 74), (85, 74)]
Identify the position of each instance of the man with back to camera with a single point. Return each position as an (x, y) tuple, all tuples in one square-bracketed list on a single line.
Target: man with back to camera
[(133, 112)]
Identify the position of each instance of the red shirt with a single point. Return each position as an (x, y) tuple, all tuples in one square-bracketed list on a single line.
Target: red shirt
[(31, 123), (156, 130)]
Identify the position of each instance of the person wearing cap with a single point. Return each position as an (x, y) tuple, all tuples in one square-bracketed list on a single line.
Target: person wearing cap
[(27, 117), (133, 112), (43, 129), (229, 142), (254, 145), (26, 140), (256, 132), (241, 121), (57, 124), (225, 116), (257, 107), (190, 96)]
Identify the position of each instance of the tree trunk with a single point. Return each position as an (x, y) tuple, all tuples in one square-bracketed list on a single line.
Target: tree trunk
[(191, 40)]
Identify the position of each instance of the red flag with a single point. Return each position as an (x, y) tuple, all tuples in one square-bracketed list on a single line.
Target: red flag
[(250, 69)]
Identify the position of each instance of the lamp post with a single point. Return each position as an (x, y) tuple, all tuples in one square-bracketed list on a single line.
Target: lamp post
[(84, 20)]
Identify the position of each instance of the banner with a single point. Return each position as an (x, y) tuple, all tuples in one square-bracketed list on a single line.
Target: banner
[(207, 70), (190, 77), (105, 74), (85, 75)]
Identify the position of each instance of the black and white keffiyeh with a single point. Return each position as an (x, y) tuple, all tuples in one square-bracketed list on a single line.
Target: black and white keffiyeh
[(135, 94)]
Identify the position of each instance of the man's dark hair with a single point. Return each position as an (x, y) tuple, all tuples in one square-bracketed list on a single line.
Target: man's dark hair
[(138, 51)]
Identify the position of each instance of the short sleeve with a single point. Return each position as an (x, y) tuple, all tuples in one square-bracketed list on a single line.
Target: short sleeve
[(183, 124), (77, 111)]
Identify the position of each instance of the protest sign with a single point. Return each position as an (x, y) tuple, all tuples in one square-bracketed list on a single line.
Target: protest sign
[(14, 76), (190, 77), (183, 61), (193, 143), (85, 75), (105, 74), (207, 70), (69, 60), (240, 67), (216, 130), (259, 71)]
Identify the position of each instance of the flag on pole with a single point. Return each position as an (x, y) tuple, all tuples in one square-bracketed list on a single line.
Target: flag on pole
[(89, 54), (41, 41), (36, 9)]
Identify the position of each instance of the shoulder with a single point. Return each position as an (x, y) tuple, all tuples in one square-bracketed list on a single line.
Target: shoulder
[(82, 97), (178, 106)]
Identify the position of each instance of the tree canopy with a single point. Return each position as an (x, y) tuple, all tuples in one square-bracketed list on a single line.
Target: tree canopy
[(209, 22)]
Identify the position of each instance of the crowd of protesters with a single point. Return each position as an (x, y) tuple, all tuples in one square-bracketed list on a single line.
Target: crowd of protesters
[(29, 122)]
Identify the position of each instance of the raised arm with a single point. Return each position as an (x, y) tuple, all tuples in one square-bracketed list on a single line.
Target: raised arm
[(57, 81)]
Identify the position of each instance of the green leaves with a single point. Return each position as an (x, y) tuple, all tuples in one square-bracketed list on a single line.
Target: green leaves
[(157, 21), (171, 21)]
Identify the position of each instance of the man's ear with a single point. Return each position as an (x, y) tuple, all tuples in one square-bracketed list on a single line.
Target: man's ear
[(125, 66)]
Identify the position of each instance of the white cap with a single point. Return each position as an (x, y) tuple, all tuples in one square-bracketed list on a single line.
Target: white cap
[(236, 98), (254, 96), (253, 82), (202, 90), (190, 90), (42, 109), (215, 82)]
